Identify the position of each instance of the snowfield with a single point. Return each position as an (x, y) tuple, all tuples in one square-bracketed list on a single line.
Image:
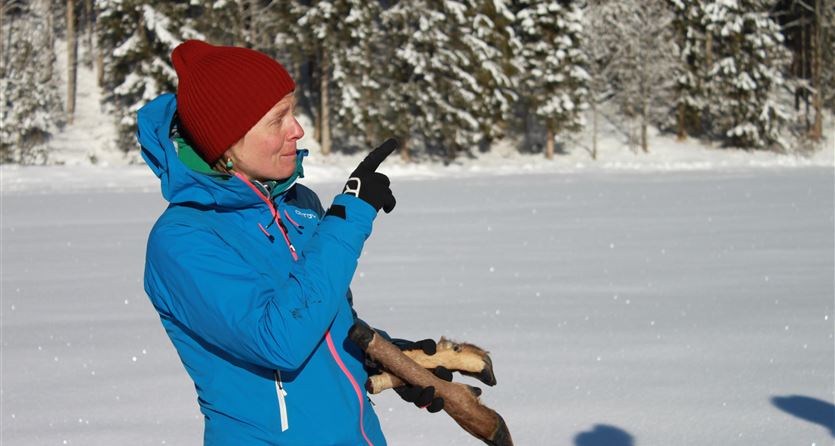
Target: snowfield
[(654, 308)]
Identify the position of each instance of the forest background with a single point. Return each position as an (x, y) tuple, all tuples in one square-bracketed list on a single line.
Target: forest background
[(449, 78)]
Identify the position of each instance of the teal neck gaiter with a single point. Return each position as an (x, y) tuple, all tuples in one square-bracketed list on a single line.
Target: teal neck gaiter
[(272, 188)]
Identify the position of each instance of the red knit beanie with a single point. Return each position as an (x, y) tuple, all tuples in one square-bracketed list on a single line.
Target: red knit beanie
[(223, 91)]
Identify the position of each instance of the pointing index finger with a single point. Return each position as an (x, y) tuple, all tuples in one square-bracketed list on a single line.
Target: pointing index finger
[(377, 156)]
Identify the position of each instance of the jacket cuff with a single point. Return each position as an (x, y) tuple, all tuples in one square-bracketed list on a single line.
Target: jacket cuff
[(356, 209)]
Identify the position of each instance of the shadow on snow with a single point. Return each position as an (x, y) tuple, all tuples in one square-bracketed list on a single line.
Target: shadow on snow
[(604, 435), (809, 409)]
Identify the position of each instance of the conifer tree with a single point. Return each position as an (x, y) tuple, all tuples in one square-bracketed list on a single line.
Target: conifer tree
[(138, 39), (247, 23), (221, 21), (356, 71), (72, 60), (448, 71), (827, 49), (491, 42), (749, 59), (30, 104), (552, 65), (341, 38), (694, 54)]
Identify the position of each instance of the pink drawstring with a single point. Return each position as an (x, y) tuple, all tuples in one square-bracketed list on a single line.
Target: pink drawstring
[(291, 220), (269, 236), (276, 217), (338, 360)]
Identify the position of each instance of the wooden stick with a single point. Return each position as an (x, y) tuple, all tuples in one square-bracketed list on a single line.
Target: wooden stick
[(459, 401), (385, 380)]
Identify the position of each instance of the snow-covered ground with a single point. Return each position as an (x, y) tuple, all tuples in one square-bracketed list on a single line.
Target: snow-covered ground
[(669, 307)]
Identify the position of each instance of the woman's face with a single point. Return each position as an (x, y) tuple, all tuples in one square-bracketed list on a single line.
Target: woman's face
[(268, 150)]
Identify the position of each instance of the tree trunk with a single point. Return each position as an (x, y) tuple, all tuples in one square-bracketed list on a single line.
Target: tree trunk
[(817, 59), (803, 56), (325, 120), (3, 47), (72, 60), (549, 143), (708, 49), (46, 7), (88, 39), (316, 107), (253, 28), (404, 150), (593, 129), (241, 32), (99, 66), (644, 125), (317, 124), (99, 52), (681, 133)]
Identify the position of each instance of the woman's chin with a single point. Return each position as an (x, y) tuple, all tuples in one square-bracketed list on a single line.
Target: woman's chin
[(284, 174)]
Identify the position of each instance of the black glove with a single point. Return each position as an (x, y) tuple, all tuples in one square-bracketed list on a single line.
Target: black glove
[(423, 396), (368, 184)]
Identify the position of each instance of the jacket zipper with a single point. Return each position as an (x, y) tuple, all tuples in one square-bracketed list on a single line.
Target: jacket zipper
[(279, 388), (282, 405)]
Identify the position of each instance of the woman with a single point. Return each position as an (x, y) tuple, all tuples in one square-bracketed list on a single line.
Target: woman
[(248, 273)]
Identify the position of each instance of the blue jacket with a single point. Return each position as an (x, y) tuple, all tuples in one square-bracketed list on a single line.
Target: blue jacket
[(262, 334)]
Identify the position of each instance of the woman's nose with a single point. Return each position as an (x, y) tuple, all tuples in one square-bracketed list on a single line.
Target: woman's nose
[(297, 130)]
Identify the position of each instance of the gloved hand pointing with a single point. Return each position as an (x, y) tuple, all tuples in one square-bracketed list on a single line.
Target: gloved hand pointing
[(368, 184)]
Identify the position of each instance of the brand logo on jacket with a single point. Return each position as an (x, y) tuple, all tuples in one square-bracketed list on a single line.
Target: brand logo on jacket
[(308, 215)]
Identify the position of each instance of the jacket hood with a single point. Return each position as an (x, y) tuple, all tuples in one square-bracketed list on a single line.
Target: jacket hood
[(179, 183)]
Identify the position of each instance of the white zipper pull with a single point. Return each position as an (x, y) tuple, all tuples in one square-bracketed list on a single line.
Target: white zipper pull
[(282, 405)]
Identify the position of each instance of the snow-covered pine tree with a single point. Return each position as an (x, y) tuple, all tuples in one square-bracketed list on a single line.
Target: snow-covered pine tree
[(246, 23), (828, 56), (137, 39), (88, 27), (343, 35), (72, 59), (748, 63), (491, 41), (448, 72), (552, 65), (318, 21), (340, 36), (222, 21), (413, 31), (30, 104), (823, 57), (694, 44)]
